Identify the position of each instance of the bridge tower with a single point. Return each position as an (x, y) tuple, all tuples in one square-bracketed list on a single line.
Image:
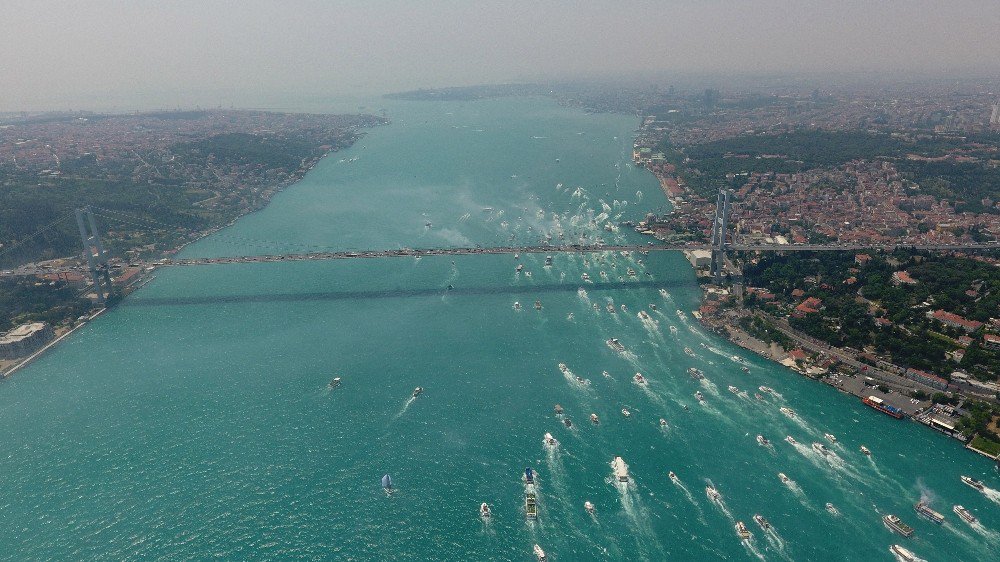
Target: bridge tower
[(720, 227), (93, 251)]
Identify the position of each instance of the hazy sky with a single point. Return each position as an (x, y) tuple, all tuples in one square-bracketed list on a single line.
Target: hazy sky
[(76, 53)]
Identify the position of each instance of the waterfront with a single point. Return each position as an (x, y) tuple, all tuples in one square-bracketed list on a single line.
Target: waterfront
[(195, 418)]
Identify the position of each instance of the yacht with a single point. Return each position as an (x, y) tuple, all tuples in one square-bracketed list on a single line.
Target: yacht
[(550, 441), (969, 481), (620, 469), (787, 411), (866, 450), (743, 532), (539, 553), (965, 515), (895, 524), (762, 441), (699, 396), (626, 413), (594, 419), (639, 379), (764, 523), (830, 437), (903, 554), (417, 391), (484, 511), (559, 409), (922, 508), (589, 507), (663, 422), (784, 479), (733, 389), (334, 383), (616, 345), (712, 493), (791, 440), (821, 449)]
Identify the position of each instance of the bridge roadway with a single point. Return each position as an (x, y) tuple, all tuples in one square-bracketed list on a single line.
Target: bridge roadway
[(572, 248)]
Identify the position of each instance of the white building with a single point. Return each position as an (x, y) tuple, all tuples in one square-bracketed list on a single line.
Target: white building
[(25, 340)]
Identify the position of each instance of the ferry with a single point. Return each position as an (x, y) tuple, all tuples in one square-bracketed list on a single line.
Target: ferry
[(821, 449), (417, 391), (784, 479), (589, 507), (743, 532), (594, 419), (689, 351), (830, 437), (538, 305), (787, 411), (568, 422), (733, 389), (880, 405), (765, 389), (762, 441), (764, 523), (550, 441), (903, 554), (712, 493), (663, 422), (895, 524), (616, 345), (866, 451), (334, 383), (517, 305), (922, 508), (969, 481), (484, 511), (626, 413), (539, 553), (639, 379), (791, 440), (620, 469), (699, 396), (966, 516), (696, 374), (559, 410)]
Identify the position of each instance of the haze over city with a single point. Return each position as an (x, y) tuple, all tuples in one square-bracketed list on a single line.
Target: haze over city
[(61, 55)]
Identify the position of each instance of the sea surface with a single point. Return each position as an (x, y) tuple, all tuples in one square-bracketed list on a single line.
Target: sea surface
[(195, 420)]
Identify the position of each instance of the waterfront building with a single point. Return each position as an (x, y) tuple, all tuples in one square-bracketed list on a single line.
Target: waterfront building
[(25, 339)]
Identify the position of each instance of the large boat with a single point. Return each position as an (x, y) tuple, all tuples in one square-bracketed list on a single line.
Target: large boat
[(903, 554), (639, 379), (969, 481), (764, 523), (712, 493), (620, 469), (821, 449), (484, 511), (616, 345), (696, 373), (965, 514), (787, 411), (743, 532), (550, 441), (922, 508), (334, 383), (895, 524), (880, 405), (866, 450), (762, 441), (791, 440), (539, 553), (417, 391)]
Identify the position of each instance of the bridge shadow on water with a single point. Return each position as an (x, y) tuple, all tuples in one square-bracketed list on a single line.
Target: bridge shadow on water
[(401, 293)]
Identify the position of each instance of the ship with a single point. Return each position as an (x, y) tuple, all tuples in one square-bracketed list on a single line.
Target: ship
[(880, 405), (594, 419), (895, 524), (922, 508), (764, 523), (791, 440), (969, 481), (787, 411), (639, 379), (903, 554), (539, 553), (484, 511), (417, 391), (965, 514), (616, 345), (620, 469), (743, 532), (866, 450), (712, 493), (695, 373), (762, 441)]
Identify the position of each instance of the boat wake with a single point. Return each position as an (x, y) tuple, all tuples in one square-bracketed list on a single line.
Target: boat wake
[(900, 558), (639, 518), (751, 547), (993, 495), (406, 406), (687, 493)]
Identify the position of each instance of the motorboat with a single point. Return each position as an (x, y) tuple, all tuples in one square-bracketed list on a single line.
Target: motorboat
[(821, 449), (784, 479), (620, 469), (568, 422), (550, 441), (559, 409), (417, 391), (663, 422), (742, 531), (696, 373), (616, 345), (762, 441), (787, 411), (639, 379), (626, 413), (484, 511), (538, 305), (765, 389), (733, 389), (866, 450), (903, 554), (539, 553), (830, 437), (589, 507), (673, 476), (791, 440), (334, 383), (762, 522), (712, 493), (699, 396), (517, 305)]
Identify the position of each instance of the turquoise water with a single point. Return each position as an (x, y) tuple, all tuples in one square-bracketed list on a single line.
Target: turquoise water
[(195, 421)]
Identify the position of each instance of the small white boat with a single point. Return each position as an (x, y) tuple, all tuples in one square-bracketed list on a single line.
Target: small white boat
[(791, 440), (334, 383), (866, 450), (639, 379), (484, 511), (594, 419), (559, 410), (689, 351), (626, 413), (517, 305), (832, 509), (712, 493), (733, 389), (539, 553), (606, 374), (830, 437), (538, 305), (589, 507), (762, 441), (417, 391), (699, 396), (663, 422), (673, 477), (550, 441), (784, 479)]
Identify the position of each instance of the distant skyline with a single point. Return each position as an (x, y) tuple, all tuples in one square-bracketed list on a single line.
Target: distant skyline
[(103, 54)]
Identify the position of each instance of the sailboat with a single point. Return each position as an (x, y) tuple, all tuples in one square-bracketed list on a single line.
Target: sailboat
[(387, 483)]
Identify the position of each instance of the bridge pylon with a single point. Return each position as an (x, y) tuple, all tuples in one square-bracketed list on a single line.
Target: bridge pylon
[(720, 227), (94, 253)]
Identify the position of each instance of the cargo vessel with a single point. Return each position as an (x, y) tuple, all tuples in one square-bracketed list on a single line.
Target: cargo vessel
[(880, 405)]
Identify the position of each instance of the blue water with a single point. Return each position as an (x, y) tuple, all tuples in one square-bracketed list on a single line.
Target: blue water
[(195, 421)]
